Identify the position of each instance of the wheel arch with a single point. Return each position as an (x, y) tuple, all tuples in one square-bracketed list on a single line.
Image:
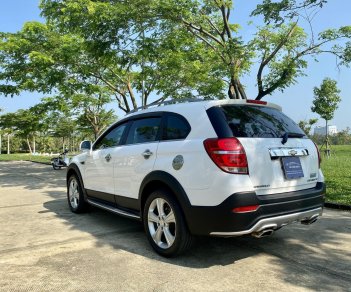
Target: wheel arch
[(74, 169), (161, 179)]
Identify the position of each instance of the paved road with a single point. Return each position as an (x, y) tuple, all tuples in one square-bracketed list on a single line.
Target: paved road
[(44, 247)]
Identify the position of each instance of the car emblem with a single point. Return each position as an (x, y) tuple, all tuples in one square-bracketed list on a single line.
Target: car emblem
[(292, 152)]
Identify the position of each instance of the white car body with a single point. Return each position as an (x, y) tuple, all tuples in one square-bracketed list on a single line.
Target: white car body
[(114, 178)]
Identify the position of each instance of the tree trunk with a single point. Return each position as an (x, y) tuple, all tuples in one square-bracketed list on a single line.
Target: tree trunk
[(8, 144), (28, 144), (0, 144), (34, 144), (236, 90)]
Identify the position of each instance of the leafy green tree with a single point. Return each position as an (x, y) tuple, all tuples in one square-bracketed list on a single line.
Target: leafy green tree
[(343, 137), (73, 60), (306, 126), (170, 48), (25, 124), (88, 112), (280, 48), (326, 101)]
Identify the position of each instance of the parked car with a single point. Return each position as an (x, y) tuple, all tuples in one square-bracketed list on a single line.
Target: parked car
[(217, 168)]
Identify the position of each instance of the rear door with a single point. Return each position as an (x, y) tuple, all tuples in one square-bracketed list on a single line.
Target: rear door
[(280, 156), (136, 158)]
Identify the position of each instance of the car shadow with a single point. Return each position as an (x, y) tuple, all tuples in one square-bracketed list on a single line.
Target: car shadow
[(107, 228), (301, 250), (314, 257)]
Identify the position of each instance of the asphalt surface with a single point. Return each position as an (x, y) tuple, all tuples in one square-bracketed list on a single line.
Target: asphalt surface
[(45, 247)]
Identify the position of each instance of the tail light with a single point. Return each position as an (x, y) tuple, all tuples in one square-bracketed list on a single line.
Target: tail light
[(228, 154), (319, 155), (254, 101)]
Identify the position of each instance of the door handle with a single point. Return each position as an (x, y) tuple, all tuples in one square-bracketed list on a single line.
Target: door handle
[(108, 157), (147, 153)]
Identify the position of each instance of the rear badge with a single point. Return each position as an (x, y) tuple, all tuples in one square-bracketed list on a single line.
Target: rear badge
[(262, 186), (178, 162)]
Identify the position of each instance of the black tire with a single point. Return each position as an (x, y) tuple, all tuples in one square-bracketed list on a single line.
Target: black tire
[(75, 195), (181, 239), (54, 164)]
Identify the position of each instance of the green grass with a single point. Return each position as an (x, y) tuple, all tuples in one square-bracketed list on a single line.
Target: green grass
[(336, 169), (337, 172), (25, 157)]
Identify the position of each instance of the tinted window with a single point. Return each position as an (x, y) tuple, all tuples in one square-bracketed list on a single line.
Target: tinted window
[(144, 130), (175, 128), (259, 122), (111, 139)]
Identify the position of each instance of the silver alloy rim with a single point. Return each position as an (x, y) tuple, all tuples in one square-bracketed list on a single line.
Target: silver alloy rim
[(73, 193), (162, 223)]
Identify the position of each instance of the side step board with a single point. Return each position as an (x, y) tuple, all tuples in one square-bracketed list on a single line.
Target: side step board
[(114, 210)]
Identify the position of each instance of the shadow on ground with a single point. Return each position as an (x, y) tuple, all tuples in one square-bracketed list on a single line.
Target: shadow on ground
[(23, 174), (316, 257)]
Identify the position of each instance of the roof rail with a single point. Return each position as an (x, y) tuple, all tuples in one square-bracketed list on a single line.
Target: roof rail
[(165, 102)]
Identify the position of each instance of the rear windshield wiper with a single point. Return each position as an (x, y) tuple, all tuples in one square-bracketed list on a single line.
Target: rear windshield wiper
[(287, 135)]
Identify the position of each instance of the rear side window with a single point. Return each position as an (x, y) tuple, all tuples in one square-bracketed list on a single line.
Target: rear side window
[(176, 128), (144, 130), (257, 122)]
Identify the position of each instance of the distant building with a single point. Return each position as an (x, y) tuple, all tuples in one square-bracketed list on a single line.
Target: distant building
[(332, 130)]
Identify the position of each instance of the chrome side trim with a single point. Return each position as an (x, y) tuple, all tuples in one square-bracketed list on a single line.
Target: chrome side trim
[(274, 222), (113, 210)]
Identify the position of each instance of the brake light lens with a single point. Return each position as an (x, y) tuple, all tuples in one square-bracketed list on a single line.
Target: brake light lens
[(319, 155), (228, 154), (246, 209), (253, 101)]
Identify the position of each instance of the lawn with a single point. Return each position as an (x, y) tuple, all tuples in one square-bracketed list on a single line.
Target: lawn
[(336, 169), (25, 157), (337, 172)]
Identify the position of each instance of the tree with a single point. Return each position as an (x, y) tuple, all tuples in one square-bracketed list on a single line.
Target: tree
[(170, 48), (71, 60), (306, 126), (326, 100), (0, 133), (280, 47), (25, 123), (88, 112)]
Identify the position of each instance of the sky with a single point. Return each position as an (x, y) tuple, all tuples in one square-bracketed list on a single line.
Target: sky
[(296, 101)]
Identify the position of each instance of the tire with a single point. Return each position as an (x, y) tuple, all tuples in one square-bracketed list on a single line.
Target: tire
[(167, 233), (75, 195), (54, 165)]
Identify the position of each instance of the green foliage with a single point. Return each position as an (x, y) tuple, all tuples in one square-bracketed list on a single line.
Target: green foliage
[(278, 11), (131, 50), (326, 99), (306, 126)]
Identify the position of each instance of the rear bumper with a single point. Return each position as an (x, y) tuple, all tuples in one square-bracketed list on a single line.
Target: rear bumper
[(275, 211), (275, 222)]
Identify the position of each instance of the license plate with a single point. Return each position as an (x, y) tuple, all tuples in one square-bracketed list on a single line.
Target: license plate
[(292, 167)]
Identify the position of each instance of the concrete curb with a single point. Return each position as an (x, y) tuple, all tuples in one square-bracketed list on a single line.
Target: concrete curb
[(337, 206), (46, 163)]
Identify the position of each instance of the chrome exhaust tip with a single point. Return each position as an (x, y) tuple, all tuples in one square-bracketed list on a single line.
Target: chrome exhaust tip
[(309, 221), (263, 233)]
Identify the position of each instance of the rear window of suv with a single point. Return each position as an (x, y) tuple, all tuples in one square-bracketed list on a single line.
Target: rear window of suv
[(256, 121)]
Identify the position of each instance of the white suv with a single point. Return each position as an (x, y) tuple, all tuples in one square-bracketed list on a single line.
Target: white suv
[(219, 168)]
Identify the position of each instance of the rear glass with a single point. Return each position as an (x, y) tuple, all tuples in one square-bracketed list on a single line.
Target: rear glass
[(258, 122)]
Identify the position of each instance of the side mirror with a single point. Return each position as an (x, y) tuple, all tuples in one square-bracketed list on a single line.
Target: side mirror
[(85, 146)]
